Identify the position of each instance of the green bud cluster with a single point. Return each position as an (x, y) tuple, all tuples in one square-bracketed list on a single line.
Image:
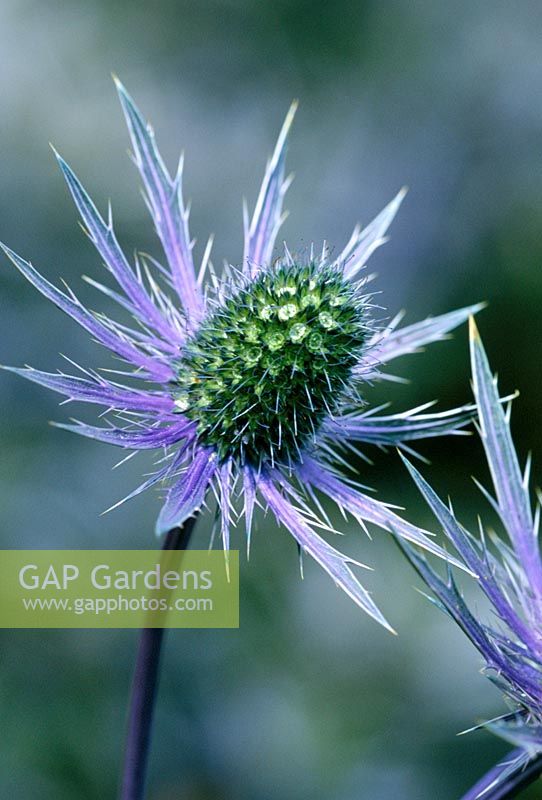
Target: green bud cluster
[(271, 361)]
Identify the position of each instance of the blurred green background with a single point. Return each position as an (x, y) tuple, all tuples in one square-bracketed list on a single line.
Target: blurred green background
[(309, 699)]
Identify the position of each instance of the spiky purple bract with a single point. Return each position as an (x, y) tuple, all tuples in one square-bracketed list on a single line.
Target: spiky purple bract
[(509, 573), (253, 380)]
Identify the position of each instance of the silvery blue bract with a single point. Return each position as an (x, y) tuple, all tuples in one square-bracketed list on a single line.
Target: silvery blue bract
[(254, 381), (509, 573)]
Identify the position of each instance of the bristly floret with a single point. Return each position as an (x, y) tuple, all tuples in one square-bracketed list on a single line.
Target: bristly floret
[(253, 389), (272, 361)]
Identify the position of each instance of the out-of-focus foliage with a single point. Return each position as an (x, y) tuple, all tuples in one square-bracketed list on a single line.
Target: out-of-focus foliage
[(309, 698)]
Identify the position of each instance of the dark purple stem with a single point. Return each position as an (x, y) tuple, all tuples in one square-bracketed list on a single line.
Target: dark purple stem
[(521, 777), (144, 690)]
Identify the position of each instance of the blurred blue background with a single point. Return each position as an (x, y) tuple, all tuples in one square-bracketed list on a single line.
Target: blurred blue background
[(309, 698)]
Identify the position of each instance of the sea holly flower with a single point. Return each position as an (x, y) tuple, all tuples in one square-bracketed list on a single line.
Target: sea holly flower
[(255, 381), (509, 573)]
